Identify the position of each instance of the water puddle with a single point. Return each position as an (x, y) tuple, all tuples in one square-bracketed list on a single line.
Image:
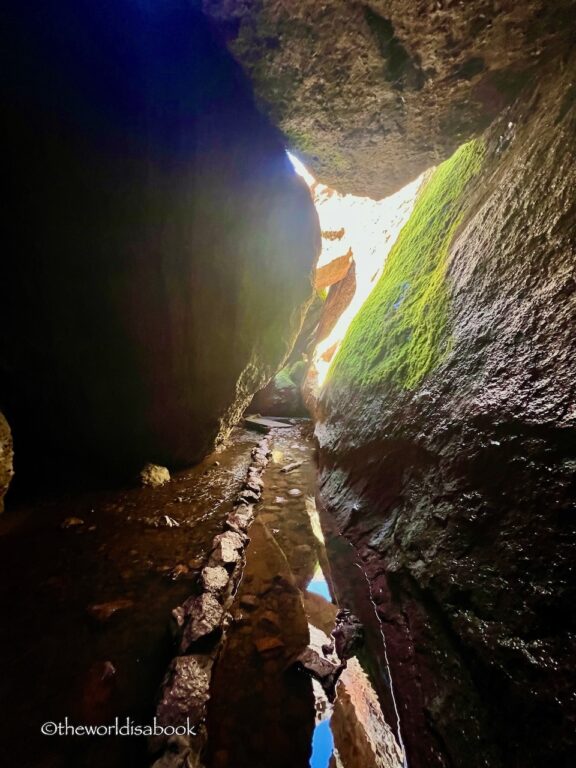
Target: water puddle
[(265, 711), (86, 629), (87, 633)]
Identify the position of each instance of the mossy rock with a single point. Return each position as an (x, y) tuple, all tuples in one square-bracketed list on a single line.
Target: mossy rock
[(401, 333)]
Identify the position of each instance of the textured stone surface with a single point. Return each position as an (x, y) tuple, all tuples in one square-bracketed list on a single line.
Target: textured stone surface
[(154, 476), (460, 493), (203, 615), (6, 459), (334, 271), (371, 94), (164, 244), (185, 691), (339, 297)]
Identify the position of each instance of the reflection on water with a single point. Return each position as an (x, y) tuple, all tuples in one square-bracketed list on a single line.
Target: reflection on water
[(351, 732), (263, 713), (322, 745), (70, 657)]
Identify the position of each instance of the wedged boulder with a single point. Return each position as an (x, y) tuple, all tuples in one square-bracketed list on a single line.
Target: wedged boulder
[(338, 299), (333, 271), (447, 445), (6, 459), (281, 396), (164, 244), (371, 94)]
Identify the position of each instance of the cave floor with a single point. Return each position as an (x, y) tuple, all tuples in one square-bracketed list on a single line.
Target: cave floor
[(87, 630)]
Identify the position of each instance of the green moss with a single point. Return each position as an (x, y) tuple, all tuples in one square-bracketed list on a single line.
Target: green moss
[(298, 371), (282, 380), (401, 332)]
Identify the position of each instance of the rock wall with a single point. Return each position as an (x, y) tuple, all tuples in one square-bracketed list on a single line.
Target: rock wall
[(371, 94), (447, 436), (6, 459), (161, 243)]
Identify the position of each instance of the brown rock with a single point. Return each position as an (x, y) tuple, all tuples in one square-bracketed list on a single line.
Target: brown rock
[(154, 476), (103, 611), (249, 602), (269, 645), (6, 459), (339, 297), (377, 92), (72, 522), (333, 272)]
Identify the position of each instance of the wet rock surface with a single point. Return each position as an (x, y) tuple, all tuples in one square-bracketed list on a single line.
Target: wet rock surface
[(264, 705), (460, 493), (371, 94), (6, 459), (146, 194), (154, 476), (70, 593)]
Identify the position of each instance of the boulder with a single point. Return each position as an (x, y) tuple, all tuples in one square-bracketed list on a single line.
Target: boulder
[(371, 94), (154, 476), (227, 548), (339, 297), (447, 454), (165, 244), (332, 272)]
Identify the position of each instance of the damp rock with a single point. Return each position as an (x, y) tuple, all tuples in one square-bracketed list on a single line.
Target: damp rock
[(168, 522), (185, 691), (241, 518), (227, 548), (6, 459), (177, 753), (269, 620), (249, 602), (249, 497), (104, 611), (291, 467), (348, 634), (154, 476), (215, 578), (178, 571), (326, 672), (269, 645), (71, 522), (202, 615)]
